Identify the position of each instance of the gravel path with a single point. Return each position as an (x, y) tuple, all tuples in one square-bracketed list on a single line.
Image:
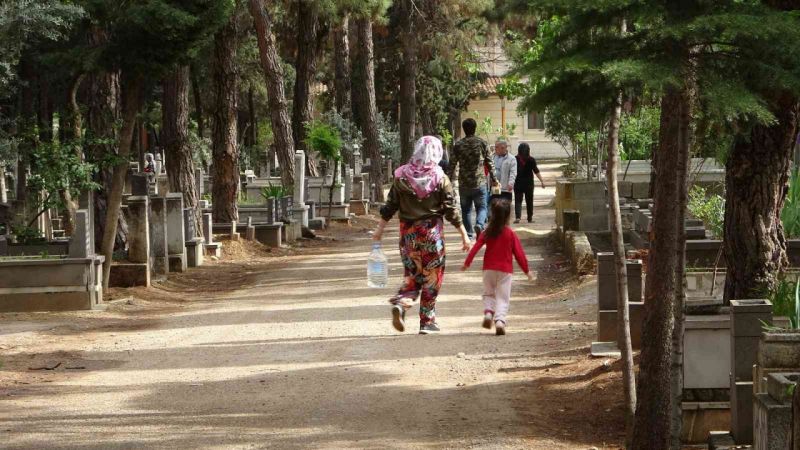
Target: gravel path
[(296, 352)]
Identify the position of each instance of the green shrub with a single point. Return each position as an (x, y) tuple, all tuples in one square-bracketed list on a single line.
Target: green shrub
[(708, 208), (324, 139), (786, 301), (271, 191)]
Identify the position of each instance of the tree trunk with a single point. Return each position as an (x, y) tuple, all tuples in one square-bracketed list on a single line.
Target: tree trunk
[(796, 418), (175, 133), (102, 117), (3, 194), (408, 80), (225, 149), (131, 104), (273, 73), (356, 76), (341, 89), (75, 121), (756, 176), (366, 68), (652, 423), (620, 262), (682, 178), (28, 122), (309, 34)]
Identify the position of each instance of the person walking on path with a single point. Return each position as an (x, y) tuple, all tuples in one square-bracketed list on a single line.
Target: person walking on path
[(502, 246), (471, 160), (523, 187), (505, 167), (423, 195)]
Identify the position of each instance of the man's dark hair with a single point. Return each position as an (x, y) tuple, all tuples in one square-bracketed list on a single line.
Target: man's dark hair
[(469, 126)]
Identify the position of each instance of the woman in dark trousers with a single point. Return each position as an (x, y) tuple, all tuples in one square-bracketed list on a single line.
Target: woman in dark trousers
[(523, 187)]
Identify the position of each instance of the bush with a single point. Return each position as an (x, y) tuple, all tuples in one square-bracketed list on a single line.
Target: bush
[(708, 208), (324, 139), (786, 302)]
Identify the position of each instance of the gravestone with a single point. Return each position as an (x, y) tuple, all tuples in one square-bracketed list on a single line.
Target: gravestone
[(176, 240), (194, 244), (299, 209), (86, 202), (199, 181), (138, 229), (212, 248), (80, 242), (158, 235), (348, 184), (250, 231), (140, 185), (747, 320)]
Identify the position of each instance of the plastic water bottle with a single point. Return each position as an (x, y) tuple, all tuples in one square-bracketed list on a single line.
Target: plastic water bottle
[(377, 268)]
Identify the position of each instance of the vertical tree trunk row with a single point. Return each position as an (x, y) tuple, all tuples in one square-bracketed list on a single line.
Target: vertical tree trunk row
[(341, 48), (364, 64), (224, 136), (309, 32), (175, 136), (408, 81), (273, 73)]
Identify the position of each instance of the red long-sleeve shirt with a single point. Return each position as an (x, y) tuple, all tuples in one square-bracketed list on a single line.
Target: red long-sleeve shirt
[(500, 252)]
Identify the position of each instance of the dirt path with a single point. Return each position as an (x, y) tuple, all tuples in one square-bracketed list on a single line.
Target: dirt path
[(296, 352)]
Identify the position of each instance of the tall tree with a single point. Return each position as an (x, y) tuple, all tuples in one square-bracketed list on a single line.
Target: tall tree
[(408, 78), (757, 167), (364, 67), (341, 48), (175, 139), (273, 73), (311, 33), (224, 127)]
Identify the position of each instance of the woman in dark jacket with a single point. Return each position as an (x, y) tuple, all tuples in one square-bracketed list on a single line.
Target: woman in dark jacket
[(523, 187), (423, 196)]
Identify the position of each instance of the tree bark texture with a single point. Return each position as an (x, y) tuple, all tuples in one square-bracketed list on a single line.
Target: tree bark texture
[(756, 178), (309, 39), (620, 263), (653, 411), (408, 80), (796, 419), (102, 116), (341, 46), (273, 73), (28, 121), (131, 105), (356, 76), (225, 146), (175, 136), (366, 68)]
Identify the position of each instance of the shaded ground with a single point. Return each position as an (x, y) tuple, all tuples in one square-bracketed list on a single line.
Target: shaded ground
[(290, 349)]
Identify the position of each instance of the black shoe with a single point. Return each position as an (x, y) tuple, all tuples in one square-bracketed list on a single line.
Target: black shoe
[(530, 220), (516, 221), (478, 231), (430, 328), (399, 318)]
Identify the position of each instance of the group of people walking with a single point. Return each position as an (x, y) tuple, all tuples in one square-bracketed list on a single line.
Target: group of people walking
[(423, 196)]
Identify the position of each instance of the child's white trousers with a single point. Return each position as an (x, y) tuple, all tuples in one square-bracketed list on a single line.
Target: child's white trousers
[(496, 293)]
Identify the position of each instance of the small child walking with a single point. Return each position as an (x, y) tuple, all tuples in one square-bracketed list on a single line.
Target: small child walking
[(502, 247)]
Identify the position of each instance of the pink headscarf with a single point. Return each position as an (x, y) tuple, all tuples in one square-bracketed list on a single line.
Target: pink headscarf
[(422, 172)]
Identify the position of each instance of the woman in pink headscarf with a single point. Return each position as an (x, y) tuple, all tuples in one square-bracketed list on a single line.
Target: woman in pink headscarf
[(423, 195)]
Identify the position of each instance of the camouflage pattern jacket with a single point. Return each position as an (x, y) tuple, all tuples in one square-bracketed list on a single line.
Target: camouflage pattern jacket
[(468, 163)]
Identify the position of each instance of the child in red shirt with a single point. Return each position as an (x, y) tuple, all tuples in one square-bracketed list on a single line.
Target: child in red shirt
[(502, 246)]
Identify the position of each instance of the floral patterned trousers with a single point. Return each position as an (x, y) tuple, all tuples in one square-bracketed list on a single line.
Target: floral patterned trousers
[(423, 255)]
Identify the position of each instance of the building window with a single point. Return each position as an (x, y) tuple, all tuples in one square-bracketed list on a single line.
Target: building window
[(535, 120)]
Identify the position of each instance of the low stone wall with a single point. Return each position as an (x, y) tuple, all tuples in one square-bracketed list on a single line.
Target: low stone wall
[(577, 247), (586, 197), (64, 284)]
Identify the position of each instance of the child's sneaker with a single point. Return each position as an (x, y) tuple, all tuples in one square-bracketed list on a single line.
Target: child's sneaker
[(487, 320), (399, 318), (429, 328), (500, 328)]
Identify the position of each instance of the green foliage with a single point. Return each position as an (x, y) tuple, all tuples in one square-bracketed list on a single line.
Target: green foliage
[(324, 139), (486, 127), (786, 301), (275, 191), (388, 139), (639, 133), (708, 208), (26, 235), (790, 214), (57, 167), (348, 131), (28, 22)]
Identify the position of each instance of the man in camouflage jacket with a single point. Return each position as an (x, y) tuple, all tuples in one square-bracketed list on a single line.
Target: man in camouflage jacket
[(470, 166)]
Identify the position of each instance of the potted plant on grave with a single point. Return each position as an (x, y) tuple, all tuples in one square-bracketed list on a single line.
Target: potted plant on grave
[(327, 142), (279, 194)]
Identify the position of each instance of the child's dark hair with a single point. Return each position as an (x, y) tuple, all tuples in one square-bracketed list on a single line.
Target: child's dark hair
[(501, 212)]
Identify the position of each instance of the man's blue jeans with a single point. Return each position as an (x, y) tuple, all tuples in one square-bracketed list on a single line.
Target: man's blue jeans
[(476, 197)]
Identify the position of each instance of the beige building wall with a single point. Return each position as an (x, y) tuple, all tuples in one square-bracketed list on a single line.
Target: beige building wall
[(541, 146)]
